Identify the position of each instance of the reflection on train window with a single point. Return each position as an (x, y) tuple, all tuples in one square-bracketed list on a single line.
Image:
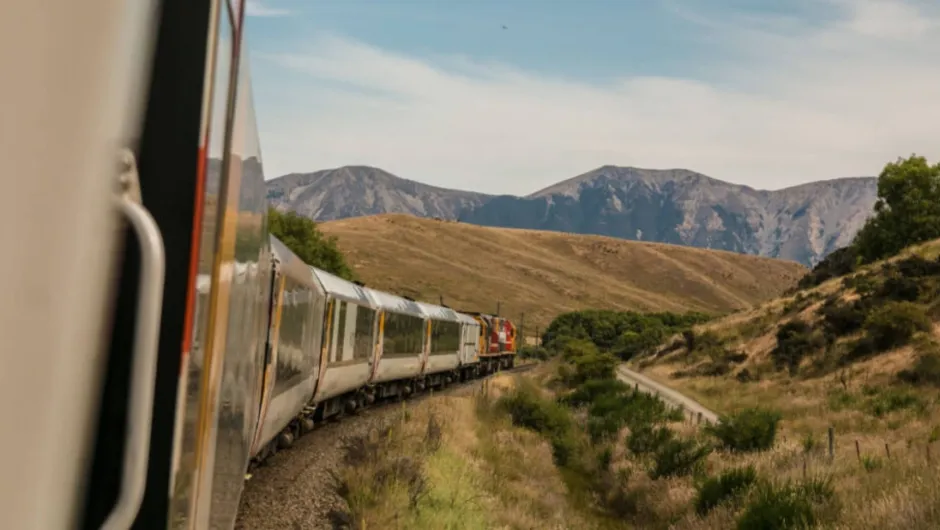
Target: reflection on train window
[(339, 334), (365, 326), (445, 337), (293, 362), (404, 334)]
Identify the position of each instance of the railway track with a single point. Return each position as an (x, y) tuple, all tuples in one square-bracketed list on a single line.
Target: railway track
[(294, 489)]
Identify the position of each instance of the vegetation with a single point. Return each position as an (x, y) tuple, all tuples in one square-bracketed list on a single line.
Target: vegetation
[(907, 213), (302, 236), (544, 274)]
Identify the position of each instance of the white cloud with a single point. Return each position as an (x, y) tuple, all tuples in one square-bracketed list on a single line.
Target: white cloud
[(257, 8), (838, 100)]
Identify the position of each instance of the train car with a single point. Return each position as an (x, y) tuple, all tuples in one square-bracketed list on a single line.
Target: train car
[(404, 333), (290, 368), (469, 356), (497, 342), (347, 357), (443, 356)]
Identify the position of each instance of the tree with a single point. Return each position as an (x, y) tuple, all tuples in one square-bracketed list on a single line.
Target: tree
[(302, 236), (907, 211)]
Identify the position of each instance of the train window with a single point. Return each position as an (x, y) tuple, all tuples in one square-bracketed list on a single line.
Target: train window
[(339, 332), (292, 361), (445, 337), (404, 334), (365, 326)]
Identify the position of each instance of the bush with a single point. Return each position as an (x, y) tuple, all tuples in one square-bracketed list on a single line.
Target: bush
[(894, 324), (925, 371), (840, 318), (679, 457), (899, 288), (527, 409), (838, 263), (730, 484), (795, 340), (534, 352), (645, 439), (753, 429), (917, 267), (589, 391), (786, 506), (304, 238)]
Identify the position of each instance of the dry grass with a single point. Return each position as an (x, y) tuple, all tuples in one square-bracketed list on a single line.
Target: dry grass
[(546, 273), (482, 474), (878, 487)]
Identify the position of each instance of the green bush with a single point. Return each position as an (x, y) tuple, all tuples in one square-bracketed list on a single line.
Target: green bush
[(925, 371), (534, 352), (841, 318), (894, 324), (838, 263), (646, 438), (753, 429), (528, 409), (730, 484), (590, 390), (898, 288), (795, 340), (786, 506), (679, 457)]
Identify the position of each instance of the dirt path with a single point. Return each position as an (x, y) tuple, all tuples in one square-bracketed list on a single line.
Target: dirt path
[(668, 395)]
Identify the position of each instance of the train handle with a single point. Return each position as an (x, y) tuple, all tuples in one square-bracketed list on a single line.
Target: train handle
[(144, 355)]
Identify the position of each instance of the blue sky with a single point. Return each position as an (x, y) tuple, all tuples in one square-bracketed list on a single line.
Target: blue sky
[(758, 92)]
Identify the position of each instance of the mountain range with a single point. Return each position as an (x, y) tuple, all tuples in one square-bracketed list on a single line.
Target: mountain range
[(801, 223)]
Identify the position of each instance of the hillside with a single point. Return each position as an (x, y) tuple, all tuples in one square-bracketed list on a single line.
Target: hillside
[(545, 273), (802, 223), (860, 355)]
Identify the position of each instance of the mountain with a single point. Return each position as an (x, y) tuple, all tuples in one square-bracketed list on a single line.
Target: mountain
[(543, 273), (802, 223), (354, 191)]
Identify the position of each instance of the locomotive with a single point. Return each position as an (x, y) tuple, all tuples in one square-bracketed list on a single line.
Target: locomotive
[(157, 339)]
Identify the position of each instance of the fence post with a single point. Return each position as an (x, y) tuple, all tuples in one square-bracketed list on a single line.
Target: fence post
[(700, 417), (887, 450), (858, 451), (831, 443)]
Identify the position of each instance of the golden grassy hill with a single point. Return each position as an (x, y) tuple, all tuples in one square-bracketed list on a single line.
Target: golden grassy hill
[(547, 273)]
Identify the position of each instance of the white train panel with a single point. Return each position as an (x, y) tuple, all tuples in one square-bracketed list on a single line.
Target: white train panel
[(350, 330), (470, 339), (445, 339)]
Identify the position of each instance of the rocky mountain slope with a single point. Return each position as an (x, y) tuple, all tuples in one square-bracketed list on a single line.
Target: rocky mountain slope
[(802, 223), (354, 191)]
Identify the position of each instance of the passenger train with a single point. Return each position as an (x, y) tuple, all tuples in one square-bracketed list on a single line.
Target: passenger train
[(156, 338)]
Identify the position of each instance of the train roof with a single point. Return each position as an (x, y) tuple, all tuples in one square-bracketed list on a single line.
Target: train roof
[(397, 304), (437, 312), (466, 319), (347, 290)]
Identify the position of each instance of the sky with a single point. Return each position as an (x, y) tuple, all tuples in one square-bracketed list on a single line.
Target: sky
[(511, 96)]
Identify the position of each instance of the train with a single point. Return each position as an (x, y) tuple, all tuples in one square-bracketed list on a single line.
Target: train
[(158, 340), (334, 347)]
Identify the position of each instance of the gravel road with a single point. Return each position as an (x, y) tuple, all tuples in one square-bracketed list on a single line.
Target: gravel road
[(667, 394)]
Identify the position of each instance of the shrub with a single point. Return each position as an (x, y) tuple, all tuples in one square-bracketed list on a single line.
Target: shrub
[(838, 263), (527, 409), (730, 484), (534, 352), (753, 429), (786, 506), (899, 288), (590, 390), (840, 318), (894, 324), (917, 267), (679, 457), (645, 439), (795, 340), (925, 371)]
